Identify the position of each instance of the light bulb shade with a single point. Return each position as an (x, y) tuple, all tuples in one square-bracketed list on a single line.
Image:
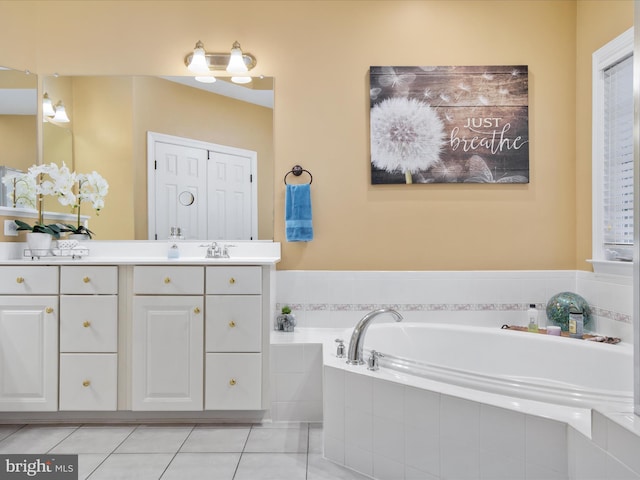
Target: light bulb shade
[(47, 106), (198, 63), (241, 80), (61, 114), (205, 79), (236, 60)]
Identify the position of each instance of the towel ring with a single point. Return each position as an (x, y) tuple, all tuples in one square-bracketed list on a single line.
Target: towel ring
[(297, 171)]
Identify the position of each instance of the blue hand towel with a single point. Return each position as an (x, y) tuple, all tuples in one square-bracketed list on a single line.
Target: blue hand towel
[(297, 214)]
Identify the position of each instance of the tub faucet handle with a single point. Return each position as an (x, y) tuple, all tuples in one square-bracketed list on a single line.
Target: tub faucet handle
[(372, 363), (340, 349)]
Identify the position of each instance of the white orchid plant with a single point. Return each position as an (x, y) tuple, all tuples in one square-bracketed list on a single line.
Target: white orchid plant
[(28, 189), (92, 188)]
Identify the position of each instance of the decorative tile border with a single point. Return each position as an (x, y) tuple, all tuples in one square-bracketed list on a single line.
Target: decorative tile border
[(439, 307), (617, 317)]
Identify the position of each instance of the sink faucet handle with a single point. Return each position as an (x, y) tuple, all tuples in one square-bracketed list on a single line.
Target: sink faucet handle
[(340, 349), (225, 251), (373, 360)]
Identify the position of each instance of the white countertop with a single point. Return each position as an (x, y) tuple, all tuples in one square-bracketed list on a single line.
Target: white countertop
[(148, 252)]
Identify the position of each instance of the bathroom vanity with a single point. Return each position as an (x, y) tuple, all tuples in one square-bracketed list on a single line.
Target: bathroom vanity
[(137, 332)]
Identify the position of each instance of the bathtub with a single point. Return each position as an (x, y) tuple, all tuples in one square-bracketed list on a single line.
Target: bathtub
[(546, 368), (452, 401)]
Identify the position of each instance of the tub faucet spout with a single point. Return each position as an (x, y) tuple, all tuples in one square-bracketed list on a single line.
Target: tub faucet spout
[(356, 344)]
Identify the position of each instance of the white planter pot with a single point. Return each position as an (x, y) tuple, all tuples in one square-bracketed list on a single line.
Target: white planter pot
[(81, 237), (39, 241)]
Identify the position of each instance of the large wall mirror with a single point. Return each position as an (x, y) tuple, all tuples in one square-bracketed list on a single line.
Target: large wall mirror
[(18, 122), (110, 117)]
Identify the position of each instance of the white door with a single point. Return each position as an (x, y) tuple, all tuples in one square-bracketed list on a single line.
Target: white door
[(168, 352), (181, 190), (29, 354), (226, 207), (229, 179)]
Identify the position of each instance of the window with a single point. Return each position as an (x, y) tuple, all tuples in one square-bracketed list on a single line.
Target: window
[(613, 150)]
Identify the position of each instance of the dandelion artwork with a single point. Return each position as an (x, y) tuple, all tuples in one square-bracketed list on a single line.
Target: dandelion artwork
[(450, 124)]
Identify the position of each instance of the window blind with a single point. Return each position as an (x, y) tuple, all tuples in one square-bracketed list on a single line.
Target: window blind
[(618, 159)]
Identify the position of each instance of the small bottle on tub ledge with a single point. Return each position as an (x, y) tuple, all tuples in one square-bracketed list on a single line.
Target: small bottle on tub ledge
[(532, 318), (576, 321)]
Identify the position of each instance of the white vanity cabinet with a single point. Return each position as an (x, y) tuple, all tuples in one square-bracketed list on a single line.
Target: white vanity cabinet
[(234, 317), (28, 338), (88, 337), (121, 336), (168, 338)]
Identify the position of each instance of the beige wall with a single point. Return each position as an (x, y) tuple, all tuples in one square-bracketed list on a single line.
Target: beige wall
[(18, 144), (319, 52)]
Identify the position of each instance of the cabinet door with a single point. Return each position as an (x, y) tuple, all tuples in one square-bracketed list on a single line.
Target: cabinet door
[(28, 353), (234, 323), (234, 280), (88, 381), (89, 323), (168, 349), (168, 280), (234, 381), (28, 280), (89, 280)]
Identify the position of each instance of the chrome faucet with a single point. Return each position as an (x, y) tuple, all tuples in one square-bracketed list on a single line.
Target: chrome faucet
[(356, 344), (217, 251), (214, 250)]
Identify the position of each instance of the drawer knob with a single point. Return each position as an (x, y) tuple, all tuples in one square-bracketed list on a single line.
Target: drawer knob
[(19, 280), (167, 280), (86, 279), (232, 280), (49, 309), (232, 324), (232, 382), (86, 383), (86, 324), (196, 310)]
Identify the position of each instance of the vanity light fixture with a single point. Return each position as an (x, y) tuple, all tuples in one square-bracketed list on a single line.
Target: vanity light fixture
[(204, 63), (55, 114), (236, 61), (198, 62), (61, 114), (47, 106)]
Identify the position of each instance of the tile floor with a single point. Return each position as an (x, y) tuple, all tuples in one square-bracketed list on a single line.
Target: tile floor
[(182, 452)]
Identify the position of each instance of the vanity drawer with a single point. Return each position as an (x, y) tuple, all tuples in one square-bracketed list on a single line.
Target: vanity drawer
[(89, 280), (234, 280), (233, 381), (168, 280), (88, 323), (28, 280), (88, 381), (233, 323)]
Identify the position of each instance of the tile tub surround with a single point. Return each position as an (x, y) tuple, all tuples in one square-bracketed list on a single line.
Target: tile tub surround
[(338, 299), (389, 430), (391, 426)]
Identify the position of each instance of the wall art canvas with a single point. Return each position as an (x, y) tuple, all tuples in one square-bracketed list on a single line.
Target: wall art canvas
[(452, 124)]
